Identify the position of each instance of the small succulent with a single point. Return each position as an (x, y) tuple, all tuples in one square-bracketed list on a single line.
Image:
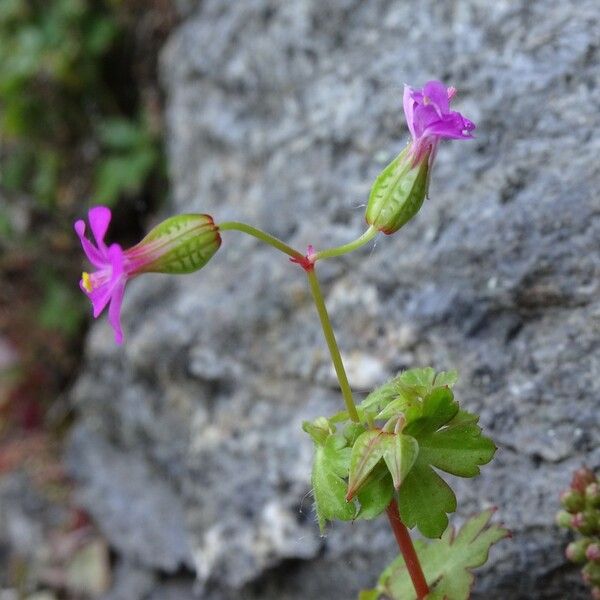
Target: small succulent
[(581, 513)]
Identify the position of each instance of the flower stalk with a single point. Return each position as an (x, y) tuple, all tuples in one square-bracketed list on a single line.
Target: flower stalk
[(334, 350)]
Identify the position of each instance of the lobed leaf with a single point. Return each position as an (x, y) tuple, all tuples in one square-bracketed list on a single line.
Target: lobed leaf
[(330, 468), (375, 495), (425, 499), (447, 562)]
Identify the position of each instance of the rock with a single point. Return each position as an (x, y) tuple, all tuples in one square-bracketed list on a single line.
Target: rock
[(188, 448)]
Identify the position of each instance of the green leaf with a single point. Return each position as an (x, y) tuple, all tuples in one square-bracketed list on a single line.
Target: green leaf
[(458, 449), (118, 174), (425, 499), (448, 378), (419, 378), (447, 563), (319, 429), (367, 451), (400, 456), (368, 595), (381, 396), (451, 441), (121, 134), (439, 407), (411, 408), (375, 494), (330, 468)]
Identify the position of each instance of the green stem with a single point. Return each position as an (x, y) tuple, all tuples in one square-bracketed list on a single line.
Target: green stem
[(367, 236), (263, 236), (336, 357)]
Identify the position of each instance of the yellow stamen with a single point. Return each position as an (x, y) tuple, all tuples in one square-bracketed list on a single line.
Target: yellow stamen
[(86, 282)]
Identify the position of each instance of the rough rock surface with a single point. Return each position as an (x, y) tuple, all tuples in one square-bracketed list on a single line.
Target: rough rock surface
[(188, 447)]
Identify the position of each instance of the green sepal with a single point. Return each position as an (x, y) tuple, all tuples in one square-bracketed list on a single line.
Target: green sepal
[(180, 244), (447, 562), (367, 451), (398, 193), (400, 456)]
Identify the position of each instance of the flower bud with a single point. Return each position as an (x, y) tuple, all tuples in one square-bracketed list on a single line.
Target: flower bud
[(575, 551), (572, 500), (592, 495), (582, 478), (180, 244), (593, 552), (563, 519), (585, 522), (398, 192), (591, 573)]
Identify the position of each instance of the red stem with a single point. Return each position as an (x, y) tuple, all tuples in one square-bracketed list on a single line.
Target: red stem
[(408, 550)]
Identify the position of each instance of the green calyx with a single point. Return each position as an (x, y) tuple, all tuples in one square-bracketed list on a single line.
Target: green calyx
[(398, 193), (178, 245), (409, 427)]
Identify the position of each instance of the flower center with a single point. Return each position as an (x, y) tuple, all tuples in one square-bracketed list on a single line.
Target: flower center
[(86, 281)]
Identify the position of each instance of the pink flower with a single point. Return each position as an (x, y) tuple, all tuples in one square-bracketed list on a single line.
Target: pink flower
[(181, 244), (430, 119), (107, 283)]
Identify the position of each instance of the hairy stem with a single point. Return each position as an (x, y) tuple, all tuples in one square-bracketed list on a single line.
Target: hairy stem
[(413, 566), (263, 236), (336, 357), (367, 236)]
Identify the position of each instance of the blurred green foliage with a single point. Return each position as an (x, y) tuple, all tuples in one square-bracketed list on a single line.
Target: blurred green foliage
[(59, 109), (80, 124)]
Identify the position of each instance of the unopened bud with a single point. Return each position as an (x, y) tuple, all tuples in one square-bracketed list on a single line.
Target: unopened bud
[(592, 495), (563, 518), (575, 551), (591, 573), (585, 522), (572, 500), (398, 192), (582, 478), (593, 552)]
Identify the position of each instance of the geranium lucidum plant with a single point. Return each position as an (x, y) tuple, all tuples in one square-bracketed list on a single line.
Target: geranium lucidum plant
[(384, 454)]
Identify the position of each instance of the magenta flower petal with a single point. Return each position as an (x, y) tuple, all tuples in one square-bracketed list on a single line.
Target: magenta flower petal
[(94, 255), (436, 94), (99, 218), (181, 244), (115, 256), (430, 119), (453, 126), (99, 298), (114, 310), (409, 110)]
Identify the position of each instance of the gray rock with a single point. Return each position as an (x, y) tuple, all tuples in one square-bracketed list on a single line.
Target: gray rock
[(188, 449)]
